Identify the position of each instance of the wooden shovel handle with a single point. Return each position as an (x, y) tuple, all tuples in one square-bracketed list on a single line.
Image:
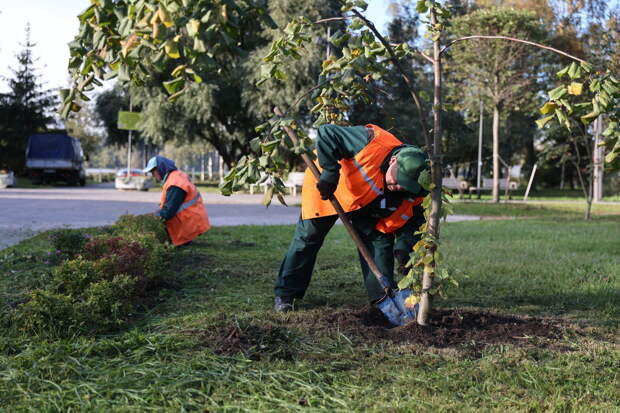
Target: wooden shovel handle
[(383, 281)]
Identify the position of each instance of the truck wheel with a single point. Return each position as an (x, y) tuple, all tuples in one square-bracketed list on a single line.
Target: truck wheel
[(82, 181)]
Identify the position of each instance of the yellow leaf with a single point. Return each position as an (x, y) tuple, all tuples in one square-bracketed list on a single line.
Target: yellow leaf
[(549, 107), (411, 301), (129, 43), (165, 17), (193, 27), (156, 30), (172, 49), (154, 18), (575, 89), (178, 70)]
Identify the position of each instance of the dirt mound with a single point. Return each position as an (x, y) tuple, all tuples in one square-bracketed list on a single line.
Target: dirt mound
[(472, 331), (450, 328)]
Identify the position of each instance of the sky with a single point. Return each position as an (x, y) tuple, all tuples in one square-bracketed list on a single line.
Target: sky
[(54, 23)]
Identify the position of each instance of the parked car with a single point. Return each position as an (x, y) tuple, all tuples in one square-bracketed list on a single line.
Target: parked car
[(54, 157), (135, 179), (7, 178)]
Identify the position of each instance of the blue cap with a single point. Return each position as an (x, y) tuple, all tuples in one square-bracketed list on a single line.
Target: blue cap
[(152, 164)]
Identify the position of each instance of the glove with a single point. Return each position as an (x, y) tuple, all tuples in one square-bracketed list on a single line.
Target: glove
[(402, 257), (326, 189)]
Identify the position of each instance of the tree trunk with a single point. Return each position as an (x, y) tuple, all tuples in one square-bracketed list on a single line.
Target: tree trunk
[(435, 157), (496, 153)]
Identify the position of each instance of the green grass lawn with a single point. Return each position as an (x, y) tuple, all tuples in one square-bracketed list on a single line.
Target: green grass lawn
[(557, 210), (545, 194), (214, 345)]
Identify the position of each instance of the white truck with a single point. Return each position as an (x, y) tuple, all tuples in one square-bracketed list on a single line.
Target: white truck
[(52, 157)]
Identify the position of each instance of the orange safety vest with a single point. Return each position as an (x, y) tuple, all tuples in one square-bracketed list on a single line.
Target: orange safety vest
[(361, 181), (191, 219)]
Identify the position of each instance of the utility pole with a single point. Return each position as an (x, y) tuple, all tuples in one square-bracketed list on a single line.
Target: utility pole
[(129, 144), (597, 155), (481, 129)]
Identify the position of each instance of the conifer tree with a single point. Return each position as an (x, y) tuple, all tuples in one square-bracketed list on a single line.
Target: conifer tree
[(25, 109)]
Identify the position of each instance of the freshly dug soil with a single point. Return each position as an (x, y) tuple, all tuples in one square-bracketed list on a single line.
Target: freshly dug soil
[(471, 331), (450, 328)]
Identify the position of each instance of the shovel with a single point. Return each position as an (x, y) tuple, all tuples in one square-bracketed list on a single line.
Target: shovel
[(393, 304)]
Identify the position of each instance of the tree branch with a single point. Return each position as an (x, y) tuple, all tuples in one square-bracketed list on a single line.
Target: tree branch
[(513, 39), (408, 81), (333, 19)]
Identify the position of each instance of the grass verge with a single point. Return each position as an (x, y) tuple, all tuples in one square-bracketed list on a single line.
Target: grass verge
[(553, 210), (214, 345)]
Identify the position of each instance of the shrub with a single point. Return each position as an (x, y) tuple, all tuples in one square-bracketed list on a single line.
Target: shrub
[(130, 225), (99, 287), (47, 313), (66, 244)]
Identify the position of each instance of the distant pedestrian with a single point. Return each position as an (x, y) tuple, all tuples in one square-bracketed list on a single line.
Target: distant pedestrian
[(181, 205)]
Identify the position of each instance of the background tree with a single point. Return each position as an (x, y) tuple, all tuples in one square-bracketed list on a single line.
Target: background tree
[(83, 126), (307, 67), (26, 109), (107, 105), (507, 74)]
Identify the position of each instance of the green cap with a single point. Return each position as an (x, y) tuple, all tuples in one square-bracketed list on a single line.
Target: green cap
[(410, 162)]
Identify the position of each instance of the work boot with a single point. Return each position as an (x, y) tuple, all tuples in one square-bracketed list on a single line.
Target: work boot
[(283, 304)]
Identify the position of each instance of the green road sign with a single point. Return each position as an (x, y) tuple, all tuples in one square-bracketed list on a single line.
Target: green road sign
[(129, 120)]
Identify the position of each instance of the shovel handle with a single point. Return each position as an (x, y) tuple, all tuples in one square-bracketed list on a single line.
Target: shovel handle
[(382, 279)]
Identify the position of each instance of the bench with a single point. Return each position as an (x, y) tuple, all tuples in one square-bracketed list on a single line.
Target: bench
[(487, 185), (294, 180), (451, 182)]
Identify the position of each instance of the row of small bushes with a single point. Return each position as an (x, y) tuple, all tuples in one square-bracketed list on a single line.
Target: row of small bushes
[(97, 282)]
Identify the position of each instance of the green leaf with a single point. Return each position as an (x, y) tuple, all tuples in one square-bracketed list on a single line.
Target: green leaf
[(427, 201), (585, 119), (562, 72), (255, 144), (407, 281), (587, 67), (611, 156), (572, 70), (542, 122), (610, 88), (557, 93), (421, 7), (174, 86), (425, 179)]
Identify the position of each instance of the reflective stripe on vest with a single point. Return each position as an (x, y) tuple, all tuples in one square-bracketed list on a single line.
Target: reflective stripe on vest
[(369, 181), (189, 203), (361, 178), (399, 217)]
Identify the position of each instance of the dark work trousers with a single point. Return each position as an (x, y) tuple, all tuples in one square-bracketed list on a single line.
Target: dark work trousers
[(296, 268)]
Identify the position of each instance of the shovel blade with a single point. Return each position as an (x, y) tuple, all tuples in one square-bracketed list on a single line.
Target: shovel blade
[(396, 311)]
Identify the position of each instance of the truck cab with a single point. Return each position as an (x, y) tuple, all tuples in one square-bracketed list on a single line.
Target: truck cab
[(52, 157)]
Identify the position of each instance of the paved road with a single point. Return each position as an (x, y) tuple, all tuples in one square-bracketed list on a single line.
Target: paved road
[(24, 212)]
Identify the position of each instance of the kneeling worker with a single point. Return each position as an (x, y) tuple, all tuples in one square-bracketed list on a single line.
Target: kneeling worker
[(181, 205), (374, 176)]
